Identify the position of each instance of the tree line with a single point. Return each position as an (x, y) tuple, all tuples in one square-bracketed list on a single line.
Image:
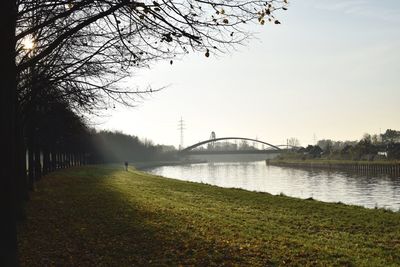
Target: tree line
[(385, 146), (116, 147)]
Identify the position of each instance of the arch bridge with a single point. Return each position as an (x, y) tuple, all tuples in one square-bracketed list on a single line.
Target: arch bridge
[(190, 149)]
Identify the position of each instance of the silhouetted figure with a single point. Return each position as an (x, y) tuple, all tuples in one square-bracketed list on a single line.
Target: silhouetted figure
[(126, 166)]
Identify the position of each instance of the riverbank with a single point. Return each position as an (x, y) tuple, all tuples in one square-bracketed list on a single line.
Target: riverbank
[(103, 215), (384, 167), (152, 164)]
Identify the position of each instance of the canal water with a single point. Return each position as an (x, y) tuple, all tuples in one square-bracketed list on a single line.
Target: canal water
[(365, 190)]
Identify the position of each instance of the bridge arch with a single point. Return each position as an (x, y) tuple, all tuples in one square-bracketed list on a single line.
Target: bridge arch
[(187, 149)]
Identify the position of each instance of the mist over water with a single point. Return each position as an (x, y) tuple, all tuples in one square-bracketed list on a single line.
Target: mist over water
[(328, 186)]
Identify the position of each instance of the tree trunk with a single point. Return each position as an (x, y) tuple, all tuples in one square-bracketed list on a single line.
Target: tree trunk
[(31, 175), (46, 161), (22, 181), (38, 164), (53, 161), (62, 162), (9, 141), (57, 161)]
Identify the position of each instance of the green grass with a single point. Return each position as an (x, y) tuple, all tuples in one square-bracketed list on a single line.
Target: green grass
[(104, 216)]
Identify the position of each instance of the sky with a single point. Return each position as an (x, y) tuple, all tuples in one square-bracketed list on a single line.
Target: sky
[(331, 70)]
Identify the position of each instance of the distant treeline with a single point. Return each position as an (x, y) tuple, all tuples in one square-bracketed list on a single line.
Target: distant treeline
[(228, 146), (112, 147), (370, 147)]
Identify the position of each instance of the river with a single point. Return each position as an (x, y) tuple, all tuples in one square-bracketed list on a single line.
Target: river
[(371, 191)]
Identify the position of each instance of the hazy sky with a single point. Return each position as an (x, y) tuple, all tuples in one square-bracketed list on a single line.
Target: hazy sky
[(331, 69)]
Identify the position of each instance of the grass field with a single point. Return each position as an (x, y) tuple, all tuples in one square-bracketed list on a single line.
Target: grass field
[(104, 216)]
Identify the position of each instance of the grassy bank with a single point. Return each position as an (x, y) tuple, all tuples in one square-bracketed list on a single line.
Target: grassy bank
[(109, 217)]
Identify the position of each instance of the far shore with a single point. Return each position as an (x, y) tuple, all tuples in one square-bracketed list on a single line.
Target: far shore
[(142, 165)]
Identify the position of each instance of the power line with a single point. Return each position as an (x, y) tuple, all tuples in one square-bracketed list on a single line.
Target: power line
[(181, 128)]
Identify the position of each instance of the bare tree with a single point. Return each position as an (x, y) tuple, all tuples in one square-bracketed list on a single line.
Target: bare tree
[(101, 41), (293, 142)]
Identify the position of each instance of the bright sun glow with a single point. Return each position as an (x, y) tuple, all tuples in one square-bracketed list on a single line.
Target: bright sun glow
[(28, 43)]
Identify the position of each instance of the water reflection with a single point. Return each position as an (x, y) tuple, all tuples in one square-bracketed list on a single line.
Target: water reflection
[(338, 186)]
